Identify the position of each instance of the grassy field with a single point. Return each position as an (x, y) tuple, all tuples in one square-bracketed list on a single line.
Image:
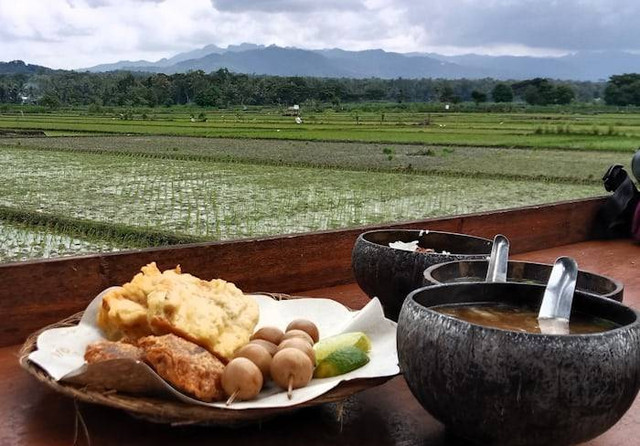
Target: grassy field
[(170, 180), (568, 166), (612, 132)]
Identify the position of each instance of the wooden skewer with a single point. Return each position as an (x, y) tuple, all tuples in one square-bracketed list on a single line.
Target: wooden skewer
[(232, 397), (290, 389)]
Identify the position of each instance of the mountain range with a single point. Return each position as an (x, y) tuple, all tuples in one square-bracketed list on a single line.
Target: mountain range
[(273, 60), (19, 67)]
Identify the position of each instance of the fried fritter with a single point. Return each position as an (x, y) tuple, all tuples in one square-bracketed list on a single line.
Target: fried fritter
[(124, 310), (105, 350), (187, 366), (214, 314)]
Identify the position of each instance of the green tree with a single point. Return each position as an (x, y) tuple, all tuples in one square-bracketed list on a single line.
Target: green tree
[(401, 96), (533, 96), (50, 100), (208, 97), (159, 87), (446, 93), (375, 92), (538, 91), (225, 88), (478, 96), (124, 87), (564, 94), (623, 89), (502, 93), (541, 91)]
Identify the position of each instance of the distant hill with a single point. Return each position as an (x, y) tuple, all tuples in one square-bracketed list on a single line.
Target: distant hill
[(272, 60), (382, 64), (19, 67), (586, 66), (514, 67)]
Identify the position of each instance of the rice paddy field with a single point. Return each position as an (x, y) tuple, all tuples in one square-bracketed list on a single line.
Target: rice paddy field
[(595, 131), (21, 242), (98, 184)]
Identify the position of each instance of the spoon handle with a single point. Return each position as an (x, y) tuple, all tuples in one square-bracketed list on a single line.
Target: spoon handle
[(499, 260), (558, 295)]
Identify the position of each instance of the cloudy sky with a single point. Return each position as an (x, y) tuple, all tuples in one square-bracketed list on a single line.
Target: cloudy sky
[(82, 33)]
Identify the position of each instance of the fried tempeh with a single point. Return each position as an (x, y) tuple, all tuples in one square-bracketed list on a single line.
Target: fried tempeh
[(187, 366), (106, 350)]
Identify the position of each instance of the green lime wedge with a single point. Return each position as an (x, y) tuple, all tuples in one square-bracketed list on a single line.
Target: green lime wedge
[(325, 347), (340, 362)]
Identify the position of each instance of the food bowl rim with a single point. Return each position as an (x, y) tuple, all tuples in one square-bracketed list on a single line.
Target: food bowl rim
[(619, 286), (421, 232), (411, 299)]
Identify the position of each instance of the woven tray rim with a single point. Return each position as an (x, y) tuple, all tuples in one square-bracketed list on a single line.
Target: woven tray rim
[(175, 412)]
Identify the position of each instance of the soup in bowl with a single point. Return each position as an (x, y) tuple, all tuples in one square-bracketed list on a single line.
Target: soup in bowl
[(507, 384)]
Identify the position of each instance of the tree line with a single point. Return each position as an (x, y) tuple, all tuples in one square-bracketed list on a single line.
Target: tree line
[(223, 88)]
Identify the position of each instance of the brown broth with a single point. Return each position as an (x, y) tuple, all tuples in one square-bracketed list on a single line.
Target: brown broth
[(522, 319)]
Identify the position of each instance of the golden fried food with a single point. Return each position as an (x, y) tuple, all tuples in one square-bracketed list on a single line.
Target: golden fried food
[(214, 314), (187, 366), (123, 312), (106, 350)]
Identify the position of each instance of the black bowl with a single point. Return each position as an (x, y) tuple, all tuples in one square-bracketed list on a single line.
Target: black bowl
[(526, 272), (390, 274), (496, 386)]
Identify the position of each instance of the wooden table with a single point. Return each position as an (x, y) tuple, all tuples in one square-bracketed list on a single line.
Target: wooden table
[(32, 414)]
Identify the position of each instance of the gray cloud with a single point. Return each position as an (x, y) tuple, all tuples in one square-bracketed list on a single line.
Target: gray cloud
[(7, 35), (566, 24), (77, 33), (104, 3), (286, 6), (74, 31), (89, 3)]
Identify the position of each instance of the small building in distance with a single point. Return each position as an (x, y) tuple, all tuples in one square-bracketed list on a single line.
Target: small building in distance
[(294, 110)]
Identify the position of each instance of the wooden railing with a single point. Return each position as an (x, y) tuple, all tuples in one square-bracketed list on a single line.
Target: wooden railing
[(36, 293)]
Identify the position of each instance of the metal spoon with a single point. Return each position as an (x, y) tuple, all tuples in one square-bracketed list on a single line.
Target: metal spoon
[(555, 310), (498, 262)]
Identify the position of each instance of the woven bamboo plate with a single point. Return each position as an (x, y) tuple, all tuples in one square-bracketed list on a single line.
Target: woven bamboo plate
[(175, 412)]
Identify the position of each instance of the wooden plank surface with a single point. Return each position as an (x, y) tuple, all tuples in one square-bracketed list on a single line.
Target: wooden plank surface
[(386, 415), (618, 259), (36, 293)]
